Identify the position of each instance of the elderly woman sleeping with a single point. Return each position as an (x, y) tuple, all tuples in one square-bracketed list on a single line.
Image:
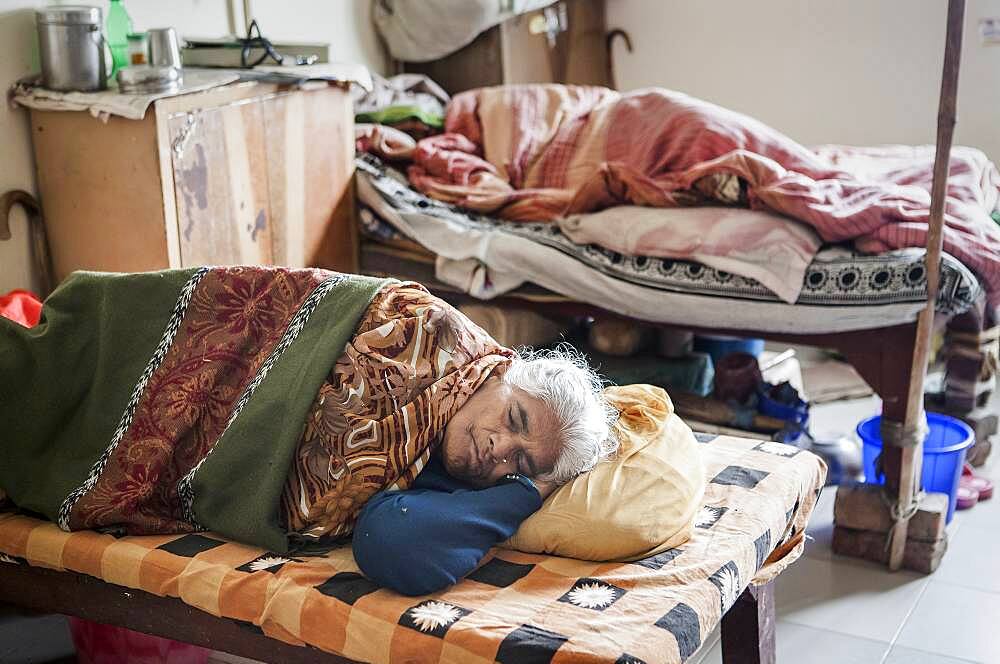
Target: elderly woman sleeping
[(287, 407)]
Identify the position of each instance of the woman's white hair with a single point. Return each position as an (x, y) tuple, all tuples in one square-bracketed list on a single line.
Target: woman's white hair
[(564, 381)]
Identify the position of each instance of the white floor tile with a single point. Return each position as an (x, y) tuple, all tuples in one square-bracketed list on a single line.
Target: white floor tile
[(991, 468), (849, 597), (985, 514), (819, 532), (831, 421), (901, 655), (710, 645), (34, 638), (955, 621), (971, 559), (797, 644), (713, 655)]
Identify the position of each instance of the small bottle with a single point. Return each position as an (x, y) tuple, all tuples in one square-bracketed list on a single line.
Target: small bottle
[(138, 47), (119, 27)]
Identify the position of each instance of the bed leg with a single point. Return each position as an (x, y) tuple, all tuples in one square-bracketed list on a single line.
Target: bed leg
[(893, 363), (748, 627)]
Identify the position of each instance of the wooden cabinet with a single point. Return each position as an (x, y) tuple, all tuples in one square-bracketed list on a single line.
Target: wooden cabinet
[(246, 173)]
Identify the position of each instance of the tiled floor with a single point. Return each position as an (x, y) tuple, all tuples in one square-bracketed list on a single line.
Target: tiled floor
[(839, 610), (34, 639), (831, 610)]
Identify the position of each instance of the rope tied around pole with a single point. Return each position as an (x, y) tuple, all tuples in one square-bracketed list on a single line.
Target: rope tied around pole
[(898, 434), (899, 514)]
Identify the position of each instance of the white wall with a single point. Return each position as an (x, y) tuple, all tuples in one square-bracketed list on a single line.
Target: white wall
[(821, 71), (18, 57), (343, 23)]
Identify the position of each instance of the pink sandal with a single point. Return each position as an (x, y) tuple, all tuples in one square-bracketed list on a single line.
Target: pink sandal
[(967, 497), (980, 485)]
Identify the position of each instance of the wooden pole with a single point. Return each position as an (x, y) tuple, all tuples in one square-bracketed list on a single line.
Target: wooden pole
[(910, 457)]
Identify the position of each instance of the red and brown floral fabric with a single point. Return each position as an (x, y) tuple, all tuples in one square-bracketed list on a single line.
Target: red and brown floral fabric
[(235, 319), (412, 363)]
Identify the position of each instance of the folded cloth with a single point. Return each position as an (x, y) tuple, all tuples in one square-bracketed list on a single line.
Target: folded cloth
[(537, 152), (383, 141), (423, 30), (30, 94), (774, 250)]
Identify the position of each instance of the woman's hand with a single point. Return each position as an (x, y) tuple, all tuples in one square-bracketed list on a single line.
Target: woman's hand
[(544, 488)]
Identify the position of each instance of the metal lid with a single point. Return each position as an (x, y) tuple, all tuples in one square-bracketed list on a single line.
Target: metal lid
[(69, 15), (144, 79)]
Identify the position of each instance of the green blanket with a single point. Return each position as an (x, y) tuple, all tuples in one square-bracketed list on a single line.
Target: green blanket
[(170, 401)]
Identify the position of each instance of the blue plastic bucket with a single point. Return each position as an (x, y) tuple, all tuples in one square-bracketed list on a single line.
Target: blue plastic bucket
[(718, 346), (944, 453)]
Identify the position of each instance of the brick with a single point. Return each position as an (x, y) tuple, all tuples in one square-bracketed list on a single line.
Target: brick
[(861, 507), (923, 557)]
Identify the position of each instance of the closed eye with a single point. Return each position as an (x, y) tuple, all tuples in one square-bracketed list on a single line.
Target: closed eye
[(523, 416), (510, 420)]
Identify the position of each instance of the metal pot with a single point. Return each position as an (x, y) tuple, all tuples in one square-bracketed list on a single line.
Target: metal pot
[(71, 46), (145, 79)]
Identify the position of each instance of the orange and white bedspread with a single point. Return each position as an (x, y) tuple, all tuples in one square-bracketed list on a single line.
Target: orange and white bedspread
[(516, 607)]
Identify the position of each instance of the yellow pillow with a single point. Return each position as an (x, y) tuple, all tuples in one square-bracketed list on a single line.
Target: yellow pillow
[(639, 503)]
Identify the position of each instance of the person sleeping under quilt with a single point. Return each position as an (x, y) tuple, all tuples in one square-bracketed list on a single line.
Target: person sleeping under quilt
[(292, 409), (547, 152)]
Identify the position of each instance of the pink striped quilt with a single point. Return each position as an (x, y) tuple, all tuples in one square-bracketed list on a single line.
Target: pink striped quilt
[(541, 152)]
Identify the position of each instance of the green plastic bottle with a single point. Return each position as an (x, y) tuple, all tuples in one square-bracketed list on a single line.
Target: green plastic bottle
[(119, 27)]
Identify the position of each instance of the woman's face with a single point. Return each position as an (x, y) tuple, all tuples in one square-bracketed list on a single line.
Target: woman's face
[(499, 430)]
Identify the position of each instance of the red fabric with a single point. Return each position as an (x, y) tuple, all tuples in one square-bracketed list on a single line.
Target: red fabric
[(21, 307), (540, 152), (106, 644)]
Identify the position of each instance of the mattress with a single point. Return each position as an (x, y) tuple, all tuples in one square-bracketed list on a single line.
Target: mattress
[(515, 607), (486, 257)]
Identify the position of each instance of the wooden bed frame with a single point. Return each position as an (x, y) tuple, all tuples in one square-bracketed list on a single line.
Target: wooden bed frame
[(747, 628)]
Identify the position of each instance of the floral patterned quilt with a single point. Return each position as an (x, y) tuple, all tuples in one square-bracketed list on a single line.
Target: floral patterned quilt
[(172, 401)]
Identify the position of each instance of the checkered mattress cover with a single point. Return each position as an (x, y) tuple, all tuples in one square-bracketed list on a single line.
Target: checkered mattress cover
[(516, 607)]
